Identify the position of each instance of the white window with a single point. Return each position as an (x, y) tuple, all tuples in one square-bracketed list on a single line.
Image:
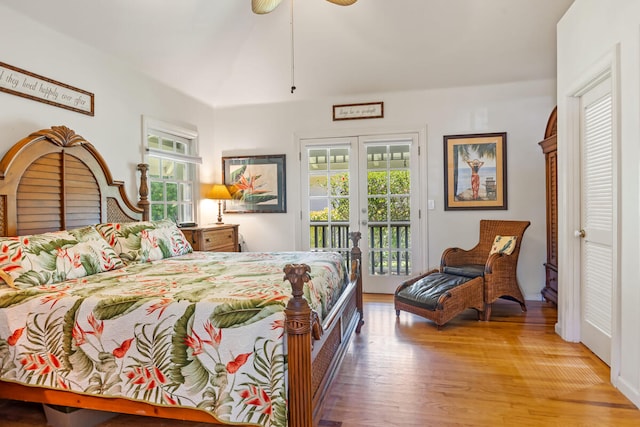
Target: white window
[(172, 154)]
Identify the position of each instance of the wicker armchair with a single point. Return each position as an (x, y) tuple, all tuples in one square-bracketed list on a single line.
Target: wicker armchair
[(499, 270)]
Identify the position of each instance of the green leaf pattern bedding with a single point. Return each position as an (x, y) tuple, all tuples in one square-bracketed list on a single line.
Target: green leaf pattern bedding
[(203, 330)]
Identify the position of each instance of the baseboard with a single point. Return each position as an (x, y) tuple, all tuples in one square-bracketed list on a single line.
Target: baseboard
[(631, 393)]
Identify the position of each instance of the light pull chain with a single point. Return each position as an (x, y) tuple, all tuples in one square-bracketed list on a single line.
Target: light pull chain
[(293, 85)]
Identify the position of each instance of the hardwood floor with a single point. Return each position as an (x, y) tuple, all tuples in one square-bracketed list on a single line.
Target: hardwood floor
[(511, 371)]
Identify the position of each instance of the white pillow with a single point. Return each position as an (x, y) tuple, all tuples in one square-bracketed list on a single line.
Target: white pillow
[(503, 245)]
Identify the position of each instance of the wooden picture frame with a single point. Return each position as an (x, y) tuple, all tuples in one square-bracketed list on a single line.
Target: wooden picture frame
[(257, 184), (26, 84), (475, 168), (368, 110)]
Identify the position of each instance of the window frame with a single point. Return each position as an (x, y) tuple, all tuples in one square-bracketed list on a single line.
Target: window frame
[(187, 134)]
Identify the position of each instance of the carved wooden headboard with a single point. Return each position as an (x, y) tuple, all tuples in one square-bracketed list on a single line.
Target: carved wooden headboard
[(54, 179)]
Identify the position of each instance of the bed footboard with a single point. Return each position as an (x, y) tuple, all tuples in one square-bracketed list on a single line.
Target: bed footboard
[(316, 351)]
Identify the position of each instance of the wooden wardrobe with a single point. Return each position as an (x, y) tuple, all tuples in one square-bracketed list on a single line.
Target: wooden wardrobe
[(549, 144)]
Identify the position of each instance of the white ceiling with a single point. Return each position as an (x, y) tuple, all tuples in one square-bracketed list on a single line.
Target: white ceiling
[(221, 53)]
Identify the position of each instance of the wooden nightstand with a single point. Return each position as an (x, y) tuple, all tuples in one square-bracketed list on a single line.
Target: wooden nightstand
[(214, 238)]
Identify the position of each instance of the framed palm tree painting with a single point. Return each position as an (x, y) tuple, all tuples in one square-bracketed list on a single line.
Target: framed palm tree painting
[(256, 183), (475, 171)]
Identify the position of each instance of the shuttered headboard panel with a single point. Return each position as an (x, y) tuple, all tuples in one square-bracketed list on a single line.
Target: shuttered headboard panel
[(39, 196), (54, 179)]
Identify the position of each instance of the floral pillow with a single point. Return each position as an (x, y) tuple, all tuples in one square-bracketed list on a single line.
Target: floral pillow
[(10, 257), (503, 245), (56, 256), (145, 241)]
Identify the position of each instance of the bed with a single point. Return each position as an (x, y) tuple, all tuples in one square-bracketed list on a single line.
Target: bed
[(151, 327)]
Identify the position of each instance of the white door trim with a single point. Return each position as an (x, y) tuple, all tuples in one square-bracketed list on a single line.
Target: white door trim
[(569, 269)]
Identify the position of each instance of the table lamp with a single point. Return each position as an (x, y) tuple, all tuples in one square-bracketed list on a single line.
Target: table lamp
[(219, 192)]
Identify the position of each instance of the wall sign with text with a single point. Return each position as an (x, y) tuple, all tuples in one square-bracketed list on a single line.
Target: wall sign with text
[(369, 110), (23, 83)]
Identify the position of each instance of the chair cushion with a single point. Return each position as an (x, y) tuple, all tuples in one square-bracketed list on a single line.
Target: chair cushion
[(466, 270), (426, 291), (503, 245)]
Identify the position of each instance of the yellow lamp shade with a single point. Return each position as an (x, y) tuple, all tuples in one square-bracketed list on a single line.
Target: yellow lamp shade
[(219, 192)]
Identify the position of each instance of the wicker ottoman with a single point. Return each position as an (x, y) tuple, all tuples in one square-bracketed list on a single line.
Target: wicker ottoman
[(439, 296)]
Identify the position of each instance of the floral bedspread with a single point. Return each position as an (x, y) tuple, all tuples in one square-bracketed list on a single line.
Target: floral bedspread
[(203, 330)]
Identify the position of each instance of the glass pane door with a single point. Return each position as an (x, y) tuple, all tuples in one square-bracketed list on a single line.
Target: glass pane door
[(329, 192), (389, 211), (389, 208), (368, 185)]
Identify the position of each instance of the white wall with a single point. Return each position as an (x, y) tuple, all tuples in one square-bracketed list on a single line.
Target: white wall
[(590, 31), (122, 96), (520, 109)]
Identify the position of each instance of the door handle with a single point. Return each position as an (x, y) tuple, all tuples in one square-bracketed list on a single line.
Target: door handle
[(579, 233)]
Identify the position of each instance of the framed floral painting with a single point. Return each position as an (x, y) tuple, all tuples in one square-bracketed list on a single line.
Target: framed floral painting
[(256, 183)]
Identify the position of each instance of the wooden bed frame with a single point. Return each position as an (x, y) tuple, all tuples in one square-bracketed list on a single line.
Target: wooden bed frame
[(54, 179)]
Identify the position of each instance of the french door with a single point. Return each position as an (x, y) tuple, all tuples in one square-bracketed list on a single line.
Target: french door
[(368, 184)]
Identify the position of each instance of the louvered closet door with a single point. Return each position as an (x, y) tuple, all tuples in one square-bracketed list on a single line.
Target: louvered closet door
[(597, 212)]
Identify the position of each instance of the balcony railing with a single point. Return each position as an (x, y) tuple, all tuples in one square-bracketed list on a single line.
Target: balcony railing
[(389, 249), (389, 245), (332, 237)]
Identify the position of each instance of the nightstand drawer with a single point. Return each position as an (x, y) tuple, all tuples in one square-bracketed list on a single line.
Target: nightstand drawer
[(219, 238)]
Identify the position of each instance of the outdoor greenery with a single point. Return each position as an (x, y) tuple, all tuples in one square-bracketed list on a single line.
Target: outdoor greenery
[(387, 229), (380, 183), (388, 199), (159, 202)]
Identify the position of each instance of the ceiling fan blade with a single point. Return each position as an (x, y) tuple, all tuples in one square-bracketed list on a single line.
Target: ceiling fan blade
[(343, 2), (264, 6)]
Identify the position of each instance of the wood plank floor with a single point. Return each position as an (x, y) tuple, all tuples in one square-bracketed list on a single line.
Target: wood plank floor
[(511, 371)]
